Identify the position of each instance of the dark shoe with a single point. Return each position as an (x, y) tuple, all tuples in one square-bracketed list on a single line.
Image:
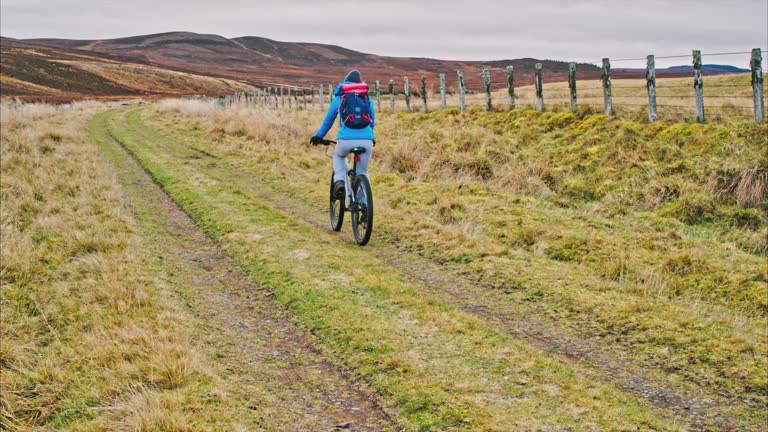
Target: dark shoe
[(338, 189)]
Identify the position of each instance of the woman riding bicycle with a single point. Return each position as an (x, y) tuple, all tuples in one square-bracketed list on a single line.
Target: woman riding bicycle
[(356, 130)]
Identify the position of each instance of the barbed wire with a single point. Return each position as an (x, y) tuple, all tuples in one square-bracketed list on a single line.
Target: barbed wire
[(677, 56)]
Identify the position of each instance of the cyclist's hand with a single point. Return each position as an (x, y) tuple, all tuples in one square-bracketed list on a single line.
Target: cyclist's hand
[(315, 140)]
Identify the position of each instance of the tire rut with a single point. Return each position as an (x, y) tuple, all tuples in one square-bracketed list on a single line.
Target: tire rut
[(279, 369), (433, 278), (598, 361)]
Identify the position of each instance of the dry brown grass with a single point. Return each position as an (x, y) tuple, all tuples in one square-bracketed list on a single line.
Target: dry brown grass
[(90, 340), (727, 97)]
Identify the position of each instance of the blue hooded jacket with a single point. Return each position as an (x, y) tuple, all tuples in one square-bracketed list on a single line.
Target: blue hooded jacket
[(346, 133)]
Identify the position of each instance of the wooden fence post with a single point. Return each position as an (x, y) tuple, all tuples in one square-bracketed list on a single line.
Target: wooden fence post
[(487, 82), (268, 98), (312, 97), (296, 96), (276, 100), (756, 66), (539, 87), (378, 96), (698, 85), (650, 82), (511, 86), (572, 85), (424, 92), (304, 96), (442, 91), (282, 98), (330, 94), (407, 89), (391, 96), (462, 90), (322, 99), (605, 77), (290, 104)]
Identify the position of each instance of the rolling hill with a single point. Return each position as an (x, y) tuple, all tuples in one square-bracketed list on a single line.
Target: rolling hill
[(177, 63), (58, 73), (261, 61)]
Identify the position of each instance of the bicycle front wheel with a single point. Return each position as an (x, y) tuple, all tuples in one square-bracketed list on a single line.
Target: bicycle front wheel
[(362, 211)]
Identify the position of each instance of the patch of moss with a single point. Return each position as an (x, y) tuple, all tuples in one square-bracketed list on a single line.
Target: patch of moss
[(692, 209)]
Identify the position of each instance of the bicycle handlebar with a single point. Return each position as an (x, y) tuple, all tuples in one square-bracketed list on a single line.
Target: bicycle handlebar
[(328, 142)]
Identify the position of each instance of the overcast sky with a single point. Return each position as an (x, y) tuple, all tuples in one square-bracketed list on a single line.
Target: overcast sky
[(447, 29)]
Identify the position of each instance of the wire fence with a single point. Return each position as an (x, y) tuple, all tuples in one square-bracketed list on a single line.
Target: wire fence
[(704, 91)]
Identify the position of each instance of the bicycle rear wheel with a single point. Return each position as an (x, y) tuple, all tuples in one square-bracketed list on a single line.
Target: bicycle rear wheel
[(337, 208), (362, 214)]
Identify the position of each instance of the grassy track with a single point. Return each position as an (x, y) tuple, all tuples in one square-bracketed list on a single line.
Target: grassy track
[(119, 314), (229, 179), (275, 374), (641, 303), (442, 367)]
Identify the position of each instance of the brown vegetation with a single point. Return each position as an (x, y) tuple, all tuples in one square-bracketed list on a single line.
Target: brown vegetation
[(36, 73)]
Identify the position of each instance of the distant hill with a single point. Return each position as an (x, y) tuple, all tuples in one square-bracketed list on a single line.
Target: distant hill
[(710, 69), (261, 61), (61, 73)]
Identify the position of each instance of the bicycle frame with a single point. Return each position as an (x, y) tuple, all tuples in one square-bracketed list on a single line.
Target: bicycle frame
[(351, 173)]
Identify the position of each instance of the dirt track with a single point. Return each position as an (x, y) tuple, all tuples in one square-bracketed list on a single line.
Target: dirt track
[(284, 375)]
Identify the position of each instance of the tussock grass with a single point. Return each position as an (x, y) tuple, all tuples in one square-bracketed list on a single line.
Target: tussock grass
[(633, 232), (89, 339)]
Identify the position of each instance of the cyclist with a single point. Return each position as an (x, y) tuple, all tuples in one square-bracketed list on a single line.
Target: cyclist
[(355, 133)]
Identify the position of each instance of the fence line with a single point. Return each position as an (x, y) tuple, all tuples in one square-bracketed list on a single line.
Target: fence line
[(478, 90)]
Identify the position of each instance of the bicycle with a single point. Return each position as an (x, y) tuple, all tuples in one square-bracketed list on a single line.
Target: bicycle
[(359, 196)]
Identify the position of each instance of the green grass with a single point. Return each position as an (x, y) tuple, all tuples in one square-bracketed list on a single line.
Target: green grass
[(648, 236), (440, 367)]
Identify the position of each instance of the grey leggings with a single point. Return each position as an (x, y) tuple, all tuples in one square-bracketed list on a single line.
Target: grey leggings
[(342, 150)]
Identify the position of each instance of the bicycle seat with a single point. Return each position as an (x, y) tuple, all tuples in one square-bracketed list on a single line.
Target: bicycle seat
[(357, 150)]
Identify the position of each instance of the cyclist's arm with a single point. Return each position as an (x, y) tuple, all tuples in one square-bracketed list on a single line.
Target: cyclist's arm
[(330, 117)]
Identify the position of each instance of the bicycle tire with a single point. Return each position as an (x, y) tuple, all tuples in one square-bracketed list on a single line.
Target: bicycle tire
[(336, 209), (362, 217)]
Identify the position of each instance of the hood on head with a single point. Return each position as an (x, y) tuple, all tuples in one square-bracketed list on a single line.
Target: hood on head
[(353, 76)]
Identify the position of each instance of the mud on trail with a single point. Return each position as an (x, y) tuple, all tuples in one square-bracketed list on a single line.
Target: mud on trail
[(281, 374), (237, 308)]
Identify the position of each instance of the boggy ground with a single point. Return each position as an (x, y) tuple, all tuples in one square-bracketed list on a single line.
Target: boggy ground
[(594, 287)]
